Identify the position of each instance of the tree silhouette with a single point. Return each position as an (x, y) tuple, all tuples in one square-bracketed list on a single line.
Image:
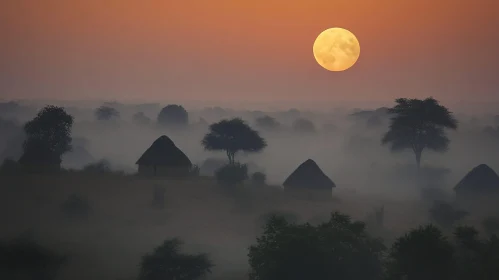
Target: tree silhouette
[(233, 136), (105, 113), (338, 249), (303, 126), (267, 122), (417, 125), (168, 263), (423, 253), (48, 137), (141, 118), (173, 116)]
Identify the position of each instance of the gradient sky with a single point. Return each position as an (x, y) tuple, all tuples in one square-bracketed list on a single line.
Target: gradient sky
[(246, 50)]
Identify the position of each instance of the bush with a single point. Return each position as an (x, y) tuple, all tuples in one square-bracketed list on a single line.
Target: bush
[(23, 258), (258, 178), (168, 263), (232, 174), (332, 250), (423, 253), (290, 217), (76, 207)]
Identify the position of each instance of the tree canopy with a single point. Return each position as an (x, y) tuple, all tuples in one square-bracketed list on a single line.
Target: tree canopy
[(232, 136), (48, 137), (419, 124), (105, 113), (173, 116), (332, 250)]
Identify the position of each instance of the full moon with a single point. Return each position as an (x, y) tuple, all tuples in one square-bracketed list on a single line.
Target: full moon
[(336, 49)]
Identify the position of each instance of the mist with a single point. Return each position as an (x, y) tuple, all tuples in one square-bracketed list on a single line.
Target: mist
[(345, 143)]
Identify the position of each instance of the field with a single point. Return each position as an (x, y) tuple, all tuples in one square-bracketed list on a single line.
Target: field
[(123, 225)]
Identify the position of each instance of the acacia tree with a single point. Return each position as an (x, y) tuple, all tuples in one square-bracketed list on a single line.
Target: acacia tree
[(48, 137), (419, 124), (233, 136)]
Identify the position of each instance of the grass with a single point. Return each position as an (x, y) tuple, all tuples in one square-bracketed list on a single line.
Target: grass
[(123, 225)]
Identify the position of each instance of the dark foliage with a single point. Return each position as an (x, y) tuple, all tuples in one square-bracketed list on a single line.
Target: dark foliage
[(232, 174), (258, 178), (48, 137), (23, 258), (267, 123), (423, 253), (419, 124), (166, 262), (232, 136), (173, 116), (101, 166), (303, 126), (106, 113), (332, 250)]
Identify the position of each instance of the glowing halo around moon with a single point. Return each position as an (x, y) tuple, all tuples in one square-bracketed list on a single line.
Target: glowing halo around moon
[(336, 49)]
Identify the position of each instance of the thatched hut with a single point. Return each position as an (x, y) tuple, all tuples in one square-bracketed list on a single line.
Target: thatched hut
[(163, 158), (480, 180), (309, 176)]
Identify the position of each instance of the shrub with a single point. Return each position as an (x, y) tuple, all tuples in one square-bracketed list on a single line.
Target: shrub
[(423, 253), (23, 258), (258, 178), (290, 217), (168, 263), (232, 174), (76, 207)]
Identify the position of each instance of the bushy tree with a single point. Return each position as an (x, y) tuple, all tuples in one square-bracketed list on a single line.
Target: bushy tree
[(48, 137), (173, 116), (419, 124), (258, 178), (232, 136), (303, 126), (166, 262), (267, 122), (423, 253), (105, 113), (338, 249), (141, 118)]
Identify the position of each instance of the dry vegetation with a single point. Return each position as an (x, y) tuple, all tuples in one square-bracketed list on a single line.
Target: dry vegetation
[(123, 225)]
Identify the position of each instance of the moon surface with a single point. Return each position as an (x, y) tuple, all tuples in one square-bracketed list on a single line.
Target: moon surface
[(336, 49)]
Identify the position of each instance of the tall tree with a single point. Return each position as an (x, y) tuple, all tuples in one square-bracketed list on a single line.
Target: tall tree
[(233, 136), (419, 124), (48, 137)]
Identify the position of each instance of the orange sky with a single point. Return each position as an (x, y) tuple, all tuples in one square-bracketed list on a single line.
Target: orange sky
[(255, 50)]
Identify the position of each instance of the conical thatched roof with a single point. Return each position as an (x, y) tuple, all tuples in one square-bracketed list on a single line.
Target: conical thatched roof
[(163, 152), (480, 179), (309, 176)]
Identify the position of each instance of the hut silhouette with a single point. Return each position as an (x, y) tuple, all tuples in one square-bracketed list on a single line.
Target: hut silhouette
[(308, 176), (163, 158), (480, 180)]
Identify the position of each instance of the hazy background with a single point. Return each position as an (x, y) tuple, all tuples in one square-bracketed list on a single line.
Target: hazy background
[(253, 53)]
